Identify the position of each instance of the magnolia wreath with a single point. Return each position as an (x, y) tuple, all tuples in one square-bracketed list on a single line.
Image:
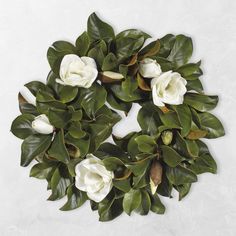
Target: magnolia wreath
[(65, 131)]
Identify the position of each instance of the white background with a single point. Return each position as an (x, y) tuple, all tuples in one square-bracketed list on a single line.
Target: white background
[(28, 27)]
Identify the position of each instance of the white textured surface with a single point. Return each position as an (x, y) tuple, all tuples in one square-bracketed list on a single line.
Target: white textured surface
[(27, 29)]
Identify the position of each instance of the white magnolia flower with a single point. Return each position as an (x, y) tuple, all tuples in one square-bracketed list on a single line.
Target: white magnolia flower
[(92, 177), (168, 88), (77, 71), (42, 125), (149, 68)]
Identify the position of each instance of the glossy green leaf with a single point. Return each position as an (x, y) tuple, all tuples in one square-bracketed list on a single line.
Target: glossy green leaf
[(42, 170), (59, 183), (132, 200), (201, 102), (181, 51), (35, 86), (98, 29), (22, 126), (75, 199), (33, 146), (180, 175), (156, 204), (145, 203), (148, 119), (146, 143), (123, 185), (170, 156), (110, 62), (82, 44), (183, 190), (58, 149), (129, 42), (213, 125), (59, 118), (185, 118), (93, 98), (117, 104), (68, 93), (109, 209), (82, 144)]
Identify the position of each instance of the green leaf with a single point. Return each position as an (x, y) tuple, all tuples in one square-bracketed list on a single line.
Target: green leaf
[(68, 93), (98, 29), (93, 98), (112, 163), (192, 147), (170, 156), (127, 91), (59, 183), (165, 187), (75, 130), (129, 42), (22, 126), (169, 119), (101, 128), (183, 190), (210, 123), (167, 43), (111, 150), (180, 175), (204, 163), (82, 144), (148, 119), (201, 102), (82, 44), (185, 118), (132, 200), (189, 70), (117, 104), (139, 167), (123, 185), (195, 85), (56, 53), (181, 51), (157, 207), (75, 199), (146, 143), (145, 203), (109, 208), (58, 149), (122, 142), (33, 146), (35, 86), (59, 118), (150, 50), (42, 170), (110, 62)]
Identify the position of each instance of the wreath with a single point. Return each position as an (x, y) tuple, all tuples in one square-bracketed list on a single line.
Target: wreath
[(65, 131)]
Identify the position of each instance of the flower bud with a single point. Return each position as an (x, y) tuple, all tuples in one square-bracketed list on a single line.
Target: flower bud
[(155, 175), (42, 125), (167, 137)]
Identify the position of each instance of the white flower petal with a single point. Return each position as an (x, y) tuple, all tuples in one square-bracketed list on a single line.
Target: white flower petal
[(88, 61), (76, 71), (149, 68), (93, 178), (113, 75), (168, 88), (42, 125)]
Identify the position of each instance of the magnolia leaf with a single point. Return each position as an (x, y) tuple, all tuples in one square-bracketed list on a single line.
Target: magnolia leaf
[(132, 200), (22, 126), (98, 29), (76, 198), (58, 149), (33, 146)]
